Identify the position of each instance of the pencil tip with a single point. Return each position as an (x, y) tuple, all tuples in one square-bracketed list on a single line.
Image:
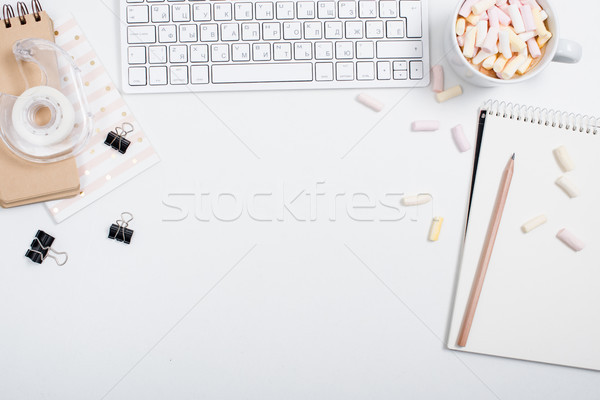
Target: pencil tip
[(513, 157)]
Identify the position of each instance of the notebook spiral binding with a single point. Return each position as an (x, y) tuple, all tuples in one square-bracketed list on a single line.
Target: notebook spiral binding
[(8, 12), (543, 116)]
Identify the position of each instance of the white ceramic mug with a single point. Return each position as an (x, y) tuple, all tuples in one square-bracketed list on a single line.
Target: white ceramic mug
[(557, 49)]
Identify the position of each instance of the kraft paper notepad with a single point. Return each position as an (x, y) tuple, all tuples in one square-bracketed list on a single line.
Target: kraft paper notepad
[(540, 300)]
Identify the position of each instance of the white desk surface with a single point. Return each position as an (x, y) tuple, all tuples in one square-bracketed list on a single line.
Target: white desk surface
[(322, 309)]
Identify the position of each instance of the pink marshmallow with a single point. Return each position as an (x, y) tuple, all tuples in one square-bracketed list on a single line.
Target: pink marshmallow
[(491, 39), (420, 126), (533, 4), (502, 17), (570, 240), (515, 2), (534, 49), (501, 2), (465, 10), (460, 139), (437, 78), (484, 17), (493, 17), (527, 18), (461, 40)]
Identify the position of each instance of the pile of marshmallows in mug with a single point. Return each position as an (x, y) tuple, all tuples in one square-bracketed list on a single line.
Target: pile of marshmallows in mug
[(502, 38)]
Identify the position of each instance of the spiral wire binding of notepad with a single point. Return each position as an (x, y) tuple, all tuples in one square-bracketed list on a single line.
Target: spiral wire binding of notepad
[(206, 46), (542, 116)]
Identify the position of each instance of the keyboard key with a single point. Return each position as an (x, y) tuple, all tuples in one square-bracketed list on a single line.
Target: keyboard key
[(400, 75), (157, 54), (400, 49), (137, 76), (395, 29), (302, 51), (271, 31), (264, 11), (243, 11), (136, 55), (137, 14), (188, 33), (411, 10), (251, 31), (285, 9), (343, 50), (365, 71), (261, 52), (346, 9), (354, 29), (229, 32), (312, 30), (400, 65), (201, 12), (344, 71), (141, 34), (180, 12), (333, 30), (167, 33), (326, 9), (306, 9), (135, 1), (365, 49), (324, 51), (240, 52), (219, 52), (248, 73), (222, 11), (367, 9), (160, 13), (179, 75), (282, 51), (199, 53), (383, 70), (374, 29), (199, 74), (324, 71), (208, 32), (416, 70), (178, 54), (388, 9), (157, 75), (292, 30)]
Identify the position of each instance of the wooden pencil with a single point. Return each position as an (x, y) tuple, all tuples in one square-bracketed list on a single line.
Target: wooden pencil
[(486, 253)]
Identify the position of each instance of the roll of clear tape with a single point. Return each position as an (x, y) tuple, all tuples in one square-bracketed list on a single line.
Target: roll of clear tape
[(26, 108)]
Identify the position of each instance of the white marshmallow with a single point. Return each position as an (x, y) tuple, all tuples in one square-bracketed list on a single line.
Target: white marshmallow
[(416, 200), (564, 159), (504, 44), (482, 30), (469, 47), (534, 223), (568, 186), (461, 25), (491, 40), (517, 19)]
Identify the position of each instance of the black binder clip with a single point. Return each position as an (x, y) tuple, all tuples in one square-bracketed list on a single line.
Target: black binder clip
[(119, 231), (41, 248), (116, 139)]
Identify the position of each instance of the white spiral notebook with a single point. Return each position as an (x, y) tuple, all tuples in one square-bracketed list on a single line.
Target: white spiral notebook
[(540, 299)]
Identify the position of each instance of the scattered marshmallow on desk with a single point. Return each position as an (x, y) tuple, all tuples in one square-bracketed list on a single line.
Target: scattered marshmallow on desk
[(568, 186), (436, 228), (460, 139), (449, 94), (534, 223), (564, 159), (425, 126), (437, 78), (370, 102), (569, 238), (416, 200)]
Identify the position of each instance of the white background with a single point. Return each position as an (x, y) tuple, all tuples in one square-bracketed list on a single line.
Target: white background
[(269, 310)]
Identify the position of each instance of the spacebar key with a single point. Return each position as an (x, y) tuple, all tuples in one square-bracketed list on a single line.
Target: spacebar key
[(258, 73)]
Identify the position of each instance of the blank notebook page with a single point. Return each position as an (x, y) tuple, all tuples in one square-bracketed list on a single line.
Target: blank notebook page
[(540, 300)]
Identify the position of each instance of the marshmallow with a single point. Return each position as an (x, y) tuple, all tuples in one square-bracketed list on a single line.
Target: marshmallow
[(461, 25), (533, 4), (482, 6), (534, 223), (481, 56), (569, 238), (473, 19), (370, 102), (500, 64), (491, 40), (504, 44), (460, 139), (416, 200), (489, 62), (540, 26), (461, 40), (424, 126), (517, 19), (543, 15), (437, 78), (501, 2), (493, 17), (516, 43), (436, 227), (525, 36), (482, 30), (449, 94), (568, 186), (525, 66), (469, 47), (564, 159), (465, 10), (503, 17), (527, 18), (512, 66), (534, 49)]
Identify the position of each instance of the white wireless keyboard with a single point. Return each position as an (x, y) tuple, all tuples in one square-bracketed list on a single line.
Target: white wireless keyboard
[(208, 46)]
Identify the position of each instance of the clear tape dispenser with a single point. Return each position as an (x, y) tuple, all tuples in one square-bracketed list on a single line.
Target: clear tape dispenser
[(52, 121)]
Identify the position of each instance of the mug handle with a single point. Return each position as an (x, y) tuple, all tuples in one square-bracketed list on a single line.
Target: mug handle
[(568, 51)]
